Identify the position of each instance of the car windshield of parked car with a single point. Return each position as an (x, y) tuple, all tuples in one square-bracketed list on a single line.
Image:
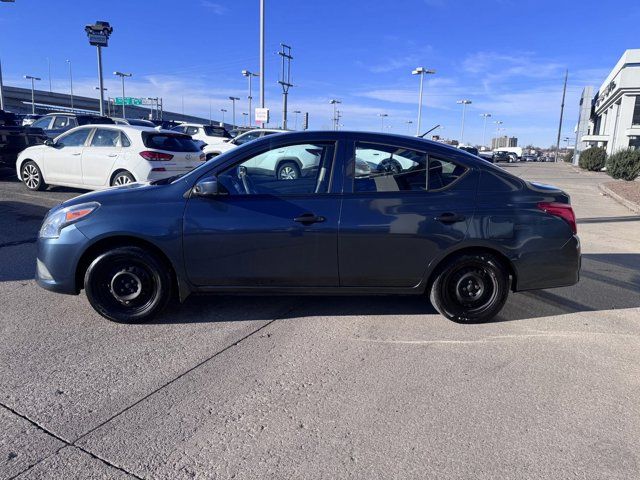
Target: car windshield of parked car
[(213, 131), (61, 122), (76, 138), (169, 142), (300, 169), (242, 139)]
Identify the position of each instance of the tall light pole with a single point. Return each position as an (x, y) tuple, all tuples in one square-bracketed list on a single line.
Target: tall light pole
[(98, 35), (409, 123), (464, 107), (122, 75), (33, 96), (296, 124), (105, 89), (484, 129), (245, 115), (249, 75), (498, 123), (1, 92), (422, 72), (335, 102), (70, 83), (382, 117), (262, 73), (155, 103), (49, 69), (564, 92), (233, 101), (223, 110)]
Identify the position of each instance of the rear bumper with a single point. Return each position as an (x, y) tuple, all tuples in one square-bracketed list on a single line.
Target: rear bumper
[(550, 268)]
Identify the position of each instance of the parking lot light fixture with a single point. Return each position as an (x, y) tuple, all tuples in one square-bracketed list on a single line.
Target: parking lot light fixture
[(464, 104), (122, 75), (335, 102), (422, 72), (245, 115), (498, 123), (70, 83), (382, 117), (233, 101), (223, 110), (296, 112), (249, 75), (33, 96), (484, 129)]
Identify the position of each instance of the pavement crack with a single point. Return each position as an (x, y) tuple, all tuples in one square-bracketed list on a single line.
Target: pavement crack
[(18, 242), (279, 316)]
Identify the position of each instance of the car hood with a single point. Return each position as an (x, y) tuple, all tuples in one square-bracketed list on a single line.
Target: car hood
[(110, 194)]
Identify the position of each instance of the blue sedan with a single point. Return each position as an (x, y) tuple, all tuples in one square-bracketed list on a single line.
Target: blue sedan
[(316, 213)]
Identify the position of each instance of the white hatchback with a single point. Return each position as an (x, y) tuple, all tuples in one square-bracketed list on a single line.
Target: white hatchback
[(94, 157)]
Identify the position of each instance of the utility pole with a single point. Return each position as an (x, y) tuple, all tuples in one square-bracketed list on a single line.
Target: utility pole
[(262, 73), (564, 92), (233, 100), (484, 129), (70, 83), (285, 79), (335, 102)]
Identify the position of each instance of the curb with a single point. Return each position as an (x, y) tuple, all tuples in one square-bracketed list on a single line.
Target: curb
[(634, 207)]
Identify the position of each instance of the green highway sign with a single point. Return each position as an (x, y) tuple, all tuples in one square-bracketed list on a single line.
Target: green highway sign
[(129, 101)]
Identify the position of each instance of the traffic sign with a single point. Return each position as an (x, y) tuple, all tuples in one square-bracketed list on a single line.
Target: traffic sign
[(262, 115), (129, 101)]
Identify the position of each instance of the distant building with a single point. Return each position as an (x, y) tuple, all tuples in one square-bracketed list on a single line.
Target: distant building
[(584, 117), (615, 119), (501, 142)]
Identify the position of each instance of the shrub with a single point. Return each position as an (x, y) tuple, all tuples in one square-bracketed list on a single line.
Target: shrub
[(593, 159), (624, 164), (568, 157)]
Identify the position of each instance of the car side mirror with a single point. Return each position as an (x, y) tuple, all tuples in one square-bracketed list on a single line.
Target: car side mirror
[(49, 143), (206, 188)]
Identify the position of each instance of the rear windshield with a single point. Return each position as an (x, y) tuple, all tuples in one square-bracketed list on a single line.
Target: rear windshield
[(89, 120), (169, 142), (216, 131)]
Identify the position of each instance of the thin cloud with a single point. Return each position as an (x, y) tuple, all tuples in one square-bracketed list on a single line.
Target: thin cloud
[(215, 8)]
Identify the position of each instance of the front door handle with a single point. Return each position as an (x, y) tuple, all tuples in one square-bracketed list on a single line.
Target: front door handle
[(75, 154), (449, 217), (309, 218), (112, 155)]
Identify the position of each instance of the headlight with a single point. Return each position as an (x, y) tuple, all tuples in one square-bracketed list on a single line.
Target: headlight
[(65, 216)]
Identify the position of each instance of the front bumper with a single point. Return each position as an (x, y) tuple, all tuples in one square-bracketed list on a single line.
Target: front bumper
[(57, 260)]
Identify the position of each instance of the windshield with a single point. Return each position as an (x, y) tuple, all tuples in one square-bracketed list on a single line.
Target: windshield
[(213, 131)]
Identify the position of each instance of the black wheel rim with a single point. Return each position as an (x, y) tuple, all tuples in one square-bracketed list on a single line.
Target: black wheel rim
[(125, 286), (471, 288)]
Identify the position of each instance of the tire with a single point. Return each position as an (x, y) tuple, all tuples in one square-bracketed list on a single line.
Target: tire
[(31, 176), (488, 280), (128, 285), (122, 178), (288, 171)]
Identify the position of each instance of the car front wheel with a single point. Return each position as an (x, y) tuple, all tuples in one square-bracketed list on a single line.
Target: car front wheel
[(471, 288), (32, 176), (128, 284)]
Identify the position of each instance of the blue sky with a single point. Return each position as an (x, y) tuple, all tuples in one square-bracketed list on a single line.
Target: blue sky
[(507, 56)]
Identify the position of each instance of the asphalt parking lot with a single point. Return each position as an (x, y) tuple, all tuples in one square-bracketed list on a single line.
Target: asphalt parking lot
[(268, 387)]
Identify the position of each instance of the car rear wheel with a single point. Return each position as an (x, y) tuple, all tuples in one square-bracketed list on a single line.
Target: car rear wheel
[(32, 176), (122, 178), (288, 171), (471, 288), (128, 285)]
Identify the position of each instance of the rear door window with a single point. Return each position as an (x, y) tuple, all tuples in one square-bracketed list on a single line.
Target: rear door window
[(443, 172), (387, 168), (105, 138), (61, 122)]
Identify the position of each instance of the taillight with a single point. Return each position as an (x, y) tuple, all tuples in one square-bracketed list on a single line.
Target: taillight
[(562, 210), (155, 156)]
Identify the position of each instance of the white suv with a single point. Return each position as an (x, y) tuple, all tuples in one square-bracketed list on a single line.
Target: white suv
[(99, 156), (229, 144)]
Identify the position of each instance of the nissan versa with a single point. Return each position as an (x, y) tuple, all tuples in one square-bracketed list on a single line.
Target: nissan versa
[(316, 213)]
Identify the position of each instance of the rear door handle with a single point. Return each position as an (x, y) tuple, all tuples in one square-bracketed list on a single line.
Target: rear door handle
[(450, 218), (76, 154), (309, 218), (112, 155)]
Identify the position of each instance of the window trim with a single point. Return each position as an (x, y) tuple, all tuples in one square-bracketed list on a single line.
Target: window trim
[(330, 171), (428, 156)]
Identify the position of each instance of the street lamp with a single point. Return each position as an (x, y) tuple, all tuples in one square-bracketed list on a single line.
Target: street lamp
[(335, 102), (498, 123), (33, 97), (105, 89), (223, 110), (464, 107), (409, 123), (296, 121), (233, 101), (155, 102), (249, 75), (422, 72), (245, 115), (70, 83), (484, 130), (122, 75), (382, 116)]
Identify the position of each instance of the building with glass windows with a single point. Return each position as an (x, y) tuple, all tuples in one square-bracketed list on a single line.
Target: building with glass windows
[(615, 117)]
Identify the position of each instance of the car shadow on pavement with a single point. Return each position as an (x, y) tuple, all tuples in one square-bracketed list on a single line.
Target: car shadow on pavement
[(608, 281)]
